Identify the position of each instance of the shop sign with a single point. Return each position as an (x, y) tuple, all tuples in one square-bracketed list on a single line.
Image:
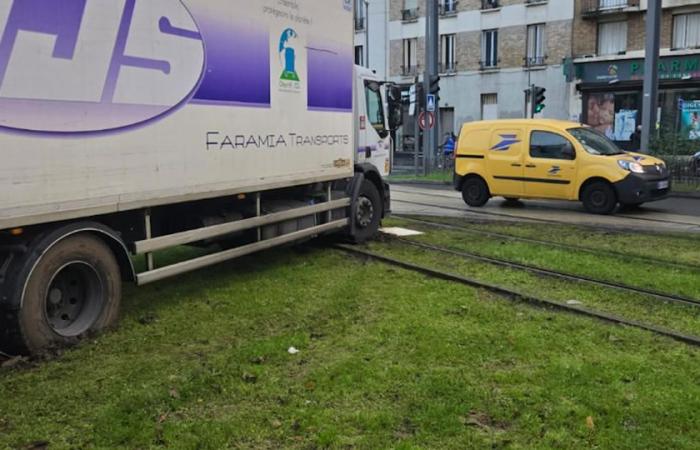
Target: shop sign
[(670, 68)]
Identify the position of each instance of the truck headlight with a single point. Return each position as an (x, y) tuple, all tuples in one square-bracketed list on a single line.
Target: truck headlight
[(631, 166)]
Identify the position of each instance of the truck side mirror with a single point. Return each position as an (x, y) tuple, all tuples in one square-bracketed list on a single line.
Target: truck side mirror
[(395, 107)]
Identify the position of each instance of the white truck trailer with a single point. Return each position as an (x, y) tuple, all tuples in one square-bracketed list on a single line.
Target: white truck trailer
[(128, 127)]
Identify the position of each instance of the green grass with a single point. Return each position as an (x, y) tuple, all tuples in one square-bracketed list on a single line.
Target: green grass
[(686, 187), (437, 176), (389, 359)]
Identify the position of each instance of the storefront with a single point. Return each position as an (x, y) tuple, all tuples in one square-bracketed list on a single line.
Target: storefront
[(612, 97)]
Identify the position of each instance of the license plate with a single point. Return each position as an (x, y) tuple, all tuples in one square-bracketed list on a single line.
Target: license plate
[(662, 185)]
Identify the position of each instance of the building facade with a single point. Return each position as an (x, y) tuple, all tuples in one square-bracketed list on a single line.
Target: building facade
[(371, 35), (609, 66), (490, 52)]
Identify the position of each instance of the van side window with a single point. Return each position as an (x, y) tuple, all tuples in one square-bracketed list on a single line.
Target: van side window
[(550, 146)]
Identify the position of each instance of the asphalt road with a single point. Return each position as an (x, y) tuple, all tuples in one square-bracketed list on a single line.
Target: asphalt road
[(670, 215)]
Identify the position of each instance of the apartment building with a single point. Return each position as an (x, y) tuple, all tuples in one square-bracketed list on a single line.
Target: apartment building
[(609, 64), (490, 52), (371, 29)]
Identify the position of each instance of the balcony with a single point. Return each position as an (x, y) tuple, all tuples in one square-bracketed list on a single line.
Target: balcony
[(409, 71), (490, 4), (595, 8), (448, 8), (409, 15), (360, 23), (448, 67)]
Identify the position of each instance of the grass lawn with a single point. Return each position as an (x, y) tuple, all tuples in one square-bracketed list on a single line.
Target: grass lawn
[(388, 359), (439, 176)]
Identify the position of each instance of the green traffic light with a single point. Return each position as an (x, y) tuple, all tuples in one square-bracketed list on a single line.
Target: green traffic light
[(539, 108)]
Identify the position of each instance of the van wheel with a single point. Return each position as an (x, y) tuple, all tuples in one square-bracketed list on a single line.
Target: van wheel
[(74, 291), (368, 213), (475, 192), (599, 198)]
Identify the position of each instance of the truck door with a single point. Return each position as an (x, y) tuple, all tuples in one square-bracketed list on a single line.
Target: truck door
[(550, 165), (505, 162), (374, 140)]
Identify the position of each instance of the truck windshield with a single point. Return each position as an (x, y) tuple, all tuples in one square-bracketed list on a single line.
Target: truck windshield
[(375, 106), (594, 142)]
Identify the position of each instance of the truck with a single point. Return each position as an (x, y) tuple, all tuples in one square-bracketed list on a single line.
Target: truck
[(131, 127)]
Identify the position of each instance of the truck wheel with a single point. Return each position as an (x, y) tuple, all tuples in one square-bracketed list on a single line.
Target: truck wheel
[(475, 192), (599, 198), (368, 212), (73, 292)]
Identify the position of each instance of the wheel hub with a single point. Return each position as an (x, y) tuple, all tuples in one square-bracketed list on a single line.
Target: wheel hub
[(74, 300), (365, 212)]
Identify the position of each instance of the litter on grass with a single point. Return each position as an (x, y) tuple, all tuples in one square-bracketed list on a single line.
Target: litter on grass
[(293, 351)]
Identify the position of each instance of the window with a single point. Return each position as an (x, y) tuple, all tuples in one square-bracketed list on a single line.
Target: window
[(489, 4), (550, 146), (686, 31), (375, 106), (447, 53), (489, 48), (612, 38), (410, 57), (535, 45), (448, 7), (360, 15), (410, 10), (489, 106), (594, 142), (359, 55)]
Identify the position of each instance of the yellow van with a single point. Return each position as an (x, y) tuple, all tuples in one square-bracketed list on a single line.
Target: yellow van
[(553, 159)]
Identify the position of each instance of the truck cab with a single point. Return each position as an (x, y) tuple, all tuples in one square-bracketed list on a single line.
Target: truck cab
[(377, 112)]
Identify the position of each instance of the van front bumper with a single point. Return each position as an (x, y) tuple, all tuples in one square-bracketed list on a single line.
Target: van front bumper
[(642, 188)]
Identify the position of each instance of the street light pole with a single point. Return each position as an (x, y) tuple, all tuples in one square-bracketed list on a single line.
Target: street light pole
[(651, 73), (432, 44), (367, 31)]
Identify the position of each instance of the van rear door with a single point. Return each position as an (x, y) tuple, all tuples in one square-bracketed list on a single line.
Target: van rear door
[(505, 162)]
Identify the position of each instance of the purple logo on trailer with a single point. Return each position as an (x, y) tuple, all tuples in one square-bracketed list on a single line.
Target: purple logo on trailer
[(85, 66)]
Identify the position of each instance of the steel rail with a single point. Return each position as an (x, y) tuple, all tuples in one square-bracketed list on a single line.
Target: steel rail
[(591, 250), (526, 298), (672, 298)]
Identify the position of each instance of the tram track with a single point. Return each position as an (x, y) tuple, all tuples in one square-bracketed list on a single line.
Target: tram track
[(566, 276), (514, 217), (579, 248), (513, 295)]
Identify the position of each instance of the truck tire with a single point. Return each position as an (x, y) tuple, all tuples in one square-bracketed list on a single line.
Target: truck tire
[(475, 192), (73, 291), (599, 198), (368, 213)]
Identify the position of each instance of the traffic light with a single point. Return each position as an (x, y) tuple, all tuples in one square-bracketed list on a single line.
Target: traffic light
[(434, 86), (539, 98)]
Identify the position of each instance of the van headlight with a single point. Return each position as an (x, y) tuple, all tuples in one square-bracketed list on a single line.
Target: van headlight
[(631, 166)]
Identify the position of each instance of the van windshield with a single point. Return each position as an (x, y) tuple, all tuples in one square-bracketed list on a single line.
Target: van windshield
[(594, 142)]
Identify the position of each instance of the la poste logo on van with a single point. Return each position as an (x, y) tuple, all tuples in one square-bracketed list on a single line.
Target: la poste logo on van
[(80, 66)]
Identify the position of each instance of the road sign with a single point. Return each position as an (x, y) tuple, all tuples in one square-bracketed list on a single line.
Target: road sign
[(426, 120), (430, 104)]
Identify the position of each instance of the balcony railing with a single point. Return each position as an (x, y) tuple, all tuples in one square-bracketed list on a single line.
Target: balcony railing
[(409, 15), (490, 4), (448, 8), (488, 65), (595, 7), (360, 23), (534, 61), (409, 71), (448, 67)]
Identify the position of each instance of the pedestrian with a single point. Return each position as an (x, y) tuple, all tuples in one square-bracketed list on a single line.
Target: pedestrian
[(636, 139), (448, 149)]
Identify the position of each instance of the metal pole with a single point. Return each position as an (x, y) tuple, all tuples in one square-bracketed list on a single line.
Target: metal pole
[(432, 45), (651, 73), (367, 31)]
